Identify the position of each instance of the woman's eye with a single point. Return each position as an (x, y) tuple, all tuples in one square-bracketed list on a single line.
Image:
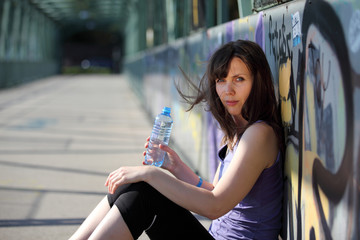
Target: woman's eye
[(239, 79), (219, 80)]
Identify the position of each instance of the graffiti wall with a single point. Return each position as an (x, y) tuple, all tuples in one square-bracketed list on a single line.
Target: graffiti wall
[(313, 48)]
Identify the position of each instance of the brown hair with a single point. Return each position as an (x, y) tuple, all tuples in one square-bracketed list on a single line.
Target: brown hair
[(261, 103)]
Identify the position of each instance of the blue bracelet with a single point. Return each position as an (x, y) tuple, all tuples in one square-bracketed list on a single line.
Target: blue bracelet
[(200, 182)]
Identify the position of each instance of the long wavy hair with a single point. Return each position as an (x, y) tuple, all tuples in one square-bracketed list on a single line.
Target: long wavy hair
[(261, 103)]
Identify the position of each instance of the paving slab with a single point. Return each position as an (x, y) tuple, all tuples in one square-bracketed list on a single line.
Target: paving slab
[(59, 139)]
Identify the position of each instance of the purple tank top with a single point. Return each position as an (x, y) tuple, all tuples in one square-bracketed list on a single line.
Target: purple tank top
[(258, 215)]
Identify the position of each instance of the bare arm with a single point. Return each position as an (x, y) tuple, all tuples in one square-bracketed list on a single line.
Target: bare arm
[(179, 169), (256, 151), (216, 177)]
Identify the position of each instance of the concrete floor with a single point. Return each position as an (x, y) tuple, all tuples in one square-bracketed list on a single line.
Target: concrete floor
[(59, 139)]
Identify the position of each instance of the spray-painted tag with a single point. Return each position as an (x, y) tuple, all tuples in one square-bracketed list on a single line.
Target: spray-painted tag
[(296, 28)]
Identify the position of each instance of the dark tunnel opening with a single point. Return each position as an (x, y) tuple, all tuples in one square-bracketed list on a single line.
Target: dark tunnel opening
[(91, 51)]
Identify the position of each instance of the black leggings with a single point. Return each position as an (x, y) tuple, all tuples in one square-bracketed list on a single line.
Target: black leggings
[(145, 209)]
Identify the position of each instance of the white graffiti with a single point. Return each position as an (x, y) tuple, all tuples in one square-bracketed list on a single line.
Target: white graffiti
[(354, 32)]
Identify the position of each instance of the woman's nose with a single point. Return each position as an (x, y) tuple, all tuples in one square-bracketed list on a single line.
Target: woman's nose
[(229, 88)]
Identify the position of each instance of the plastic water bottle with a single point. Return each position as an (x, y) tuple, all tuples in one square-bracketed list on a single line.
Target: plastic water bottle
[(160, 135)]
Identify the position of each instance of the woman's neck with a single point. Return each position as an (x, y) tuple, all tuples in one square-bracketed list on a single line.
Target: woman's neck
[(240, 121)]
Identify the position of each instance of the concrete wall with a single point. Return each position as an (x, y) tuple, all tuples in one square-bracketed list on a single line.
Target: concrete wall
[(313, 50), (14, 73)]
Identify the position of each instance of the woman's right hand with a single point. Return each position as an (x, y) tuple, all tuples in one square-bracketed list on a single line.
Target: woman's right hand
[(172, 159), (178, 168)]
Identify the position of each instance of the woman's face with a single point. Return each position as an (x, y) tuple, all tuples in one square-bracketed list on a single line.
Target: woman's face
[(235, 88)]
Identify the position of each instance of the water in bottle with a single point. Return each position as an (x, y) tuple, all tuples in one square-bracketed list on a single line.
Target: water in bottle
[(160, 135)]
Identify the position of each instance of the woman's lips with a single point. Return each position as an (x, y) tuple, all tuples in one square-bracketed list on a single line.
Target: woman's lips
[(231, 103)]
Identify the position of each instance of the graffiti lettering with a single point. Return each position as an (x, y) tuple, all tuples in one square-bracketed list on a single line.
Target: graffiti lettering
[(280, 39)]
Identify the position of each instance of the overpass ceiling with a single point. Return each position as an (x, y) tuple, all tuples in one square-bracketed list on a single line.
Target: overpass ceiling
[(80, 15)]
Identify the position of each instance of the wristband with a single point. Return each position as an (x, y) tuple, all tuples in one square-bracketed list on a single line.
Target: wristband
[(200, 182)]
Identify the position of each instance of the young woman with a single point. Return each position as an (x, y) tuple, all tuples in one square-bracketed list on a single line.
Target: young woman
[(245, 198)]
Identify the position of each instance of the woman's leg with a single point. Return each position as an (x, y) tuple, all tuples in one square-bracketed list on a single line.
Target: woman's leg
[(143, 208), (136, 208), (111, 227), (176, 223), (92, 221)]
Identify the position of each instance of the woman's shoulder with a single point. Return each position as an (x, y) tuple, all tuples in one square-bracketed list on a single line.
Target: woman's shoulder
[(260, 128), (261, 137)]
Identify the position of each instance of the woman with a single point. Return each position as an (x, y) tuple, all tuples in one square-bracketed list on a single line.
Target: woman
[(245, 198)]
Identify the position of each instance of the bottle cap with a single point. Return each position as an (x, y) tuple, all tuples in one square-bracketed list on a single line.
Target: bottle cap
[(166, 110)]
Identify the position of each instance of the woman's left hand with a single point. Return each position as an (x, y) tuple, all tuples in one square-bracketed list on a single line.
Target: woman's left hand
[(125, 175), (172, 159)]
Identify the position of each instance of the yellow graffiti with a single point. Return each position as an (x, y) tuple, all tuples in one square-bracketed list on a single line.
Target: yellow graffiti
[(310, 205), (244, 20), (310, 113), (292, 168), (251, 29), (284, 88), (193, 125), (197, 61), (292, 173)]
